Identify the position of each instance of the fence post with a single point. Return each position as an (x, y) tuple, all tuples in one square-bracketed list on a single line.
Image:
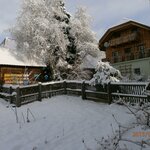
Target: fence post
[(18, 100), (148, 94), (65, 87), (109, 92), (10, 92), (83, 90), (40, 91), (50, 89)]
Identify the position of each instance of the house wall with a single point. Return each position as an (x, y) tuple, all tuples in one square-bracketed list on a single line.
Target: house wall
[(18, 74), (142, 37), (128, 67)]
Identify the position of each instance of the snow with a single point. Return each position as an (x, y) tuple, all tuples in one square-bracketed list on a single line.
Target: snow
[(89, 62), (59, 123), (9, 43), (8, 58), (105, 74), (4, 94), (129, 95), (130, 83)]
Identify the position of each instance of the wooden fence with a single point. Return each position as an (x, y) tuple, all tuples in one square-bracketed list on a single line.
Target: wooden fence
[(129, 92)]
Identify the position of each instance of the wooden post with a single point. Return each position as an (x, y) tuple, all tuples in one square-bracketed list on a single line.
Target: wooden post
[(65, 87), (83, 91), (148, 97), (10, 92), (50, 89), (40, 91), (148, 92), (109, 92), (18, 100)]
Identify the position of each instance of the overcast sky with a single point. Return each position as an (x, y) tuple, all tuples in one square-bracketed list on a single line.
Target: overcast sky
[(104, 13)]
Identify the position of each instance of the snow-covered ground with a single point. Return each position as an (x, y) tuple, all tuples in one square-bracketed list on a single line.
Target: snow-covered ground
[(59, 123)]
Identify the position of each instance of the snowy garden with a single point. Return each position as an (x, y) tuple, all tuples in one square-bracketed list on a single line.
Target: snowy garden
[(68, 119), (63, 114), (69, 123), (60, 123)]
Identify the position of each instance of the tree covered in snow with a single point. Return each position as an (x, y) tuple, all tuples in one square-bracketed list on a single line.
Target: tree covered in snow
[(105, 74), (85, 38), (85, 41), (45, 32), (39, 31)]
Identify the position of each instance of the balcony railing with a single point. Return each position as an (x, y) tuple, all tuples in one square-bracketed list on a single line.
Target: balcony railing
[(124, 39), (130, 57)]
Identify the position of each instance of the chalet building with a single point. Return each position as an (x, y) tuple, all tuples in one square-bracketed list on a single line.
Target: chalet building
[(127, 48), (15, 71)]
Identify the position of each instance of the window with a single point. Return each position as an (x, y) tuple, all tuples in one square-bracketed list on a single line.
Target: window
[(137, 71), (127, 50), (115, 54), (116, 34), (133, 30), (141, 49)]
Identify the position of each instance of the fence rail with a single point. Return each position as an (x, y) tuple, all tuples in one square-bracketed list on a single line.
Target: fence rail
[(129, 92)]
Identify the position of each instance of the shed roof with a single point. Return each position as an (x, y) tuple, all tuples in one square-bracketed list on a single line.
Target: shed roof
[(8, 58)]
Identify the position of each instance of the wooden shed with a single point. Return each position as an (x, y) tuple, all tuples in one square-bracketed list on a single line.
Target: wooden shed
[(15, 71)]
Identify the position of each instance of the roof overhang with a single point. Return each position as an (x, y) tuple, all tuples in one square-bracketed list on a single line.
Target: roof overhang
[(119, 28)]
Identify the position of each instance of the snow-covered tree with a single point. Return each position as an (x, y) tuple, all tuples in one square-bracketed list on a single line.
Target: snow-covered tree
[(45, 32), (39, 31), (105, 74), (85, 42), (85, 38)]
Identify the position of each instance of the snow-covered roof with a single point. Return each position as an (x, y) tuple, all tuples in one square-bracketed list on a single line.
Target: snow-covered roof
[(9, 43), (90, 62), (8, 58)]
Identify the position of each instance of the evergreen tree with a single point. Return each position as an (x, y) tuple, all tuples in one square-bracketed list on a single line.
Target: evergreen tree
[(84, 44)]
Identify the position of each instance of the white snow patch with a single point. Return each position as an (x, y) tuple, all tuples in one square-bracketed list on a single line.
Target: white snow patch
[(8, 58), (89, 62), (59, 123), (9, 43)]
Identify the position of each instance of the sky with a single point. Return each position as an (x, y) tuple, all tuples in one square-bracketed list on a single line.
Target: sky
[(104, 13)]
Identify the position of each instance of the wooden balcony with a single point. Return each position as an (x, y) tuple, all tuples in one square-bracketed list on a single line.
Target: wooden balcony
[(124, 39), (131, 57)]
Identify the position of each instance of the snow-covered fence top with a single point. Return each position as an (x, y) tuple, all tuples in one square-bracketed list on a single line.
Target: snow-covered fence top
[(132, 92)]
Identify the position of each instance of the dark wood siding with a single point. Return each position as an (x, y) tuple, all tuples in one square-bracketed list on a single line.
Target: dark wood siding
[(15, 74), (130, 45)]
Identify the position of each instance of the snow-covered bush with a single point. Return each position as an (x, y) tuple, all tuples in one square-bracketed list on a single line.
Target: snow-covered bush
[(105, 74), (141, 112)]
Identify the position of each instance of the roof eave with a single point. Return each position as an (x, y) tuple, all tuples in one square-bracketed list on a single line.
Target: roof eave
[(119, 27)]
